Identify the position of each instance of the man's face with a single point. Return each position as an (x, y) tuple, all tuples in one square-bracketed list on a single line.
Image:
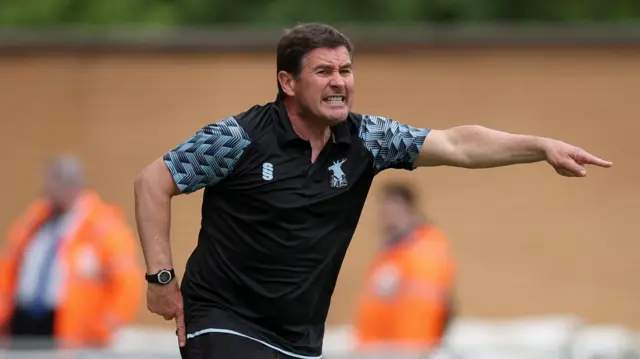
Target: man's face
[(325, 87)]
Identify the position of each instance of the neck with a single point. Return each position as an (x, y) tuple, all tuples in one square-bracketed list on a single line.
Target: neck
[(307, 128)]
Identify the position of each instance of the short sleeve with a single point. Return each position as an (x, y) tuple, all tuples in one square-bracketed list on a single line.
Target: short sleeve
[(392, 144), (208, 156)]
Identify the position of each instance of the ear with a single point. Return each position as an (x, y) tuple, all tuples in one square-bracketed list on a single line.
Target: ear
[(287, 82)]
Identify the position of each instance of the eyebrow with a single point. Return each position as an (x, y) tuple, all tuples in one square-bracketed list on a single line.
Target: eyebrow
[(327, 66)]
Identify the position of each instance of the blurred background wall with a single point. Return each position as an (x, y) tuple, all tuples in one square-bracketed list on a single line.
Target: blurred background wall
[(121, 82), (527, 241)]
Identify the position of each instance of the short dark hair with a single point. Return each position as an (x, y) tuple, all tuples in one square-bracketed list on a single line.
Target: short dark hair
[(298, 41), (402, 191)]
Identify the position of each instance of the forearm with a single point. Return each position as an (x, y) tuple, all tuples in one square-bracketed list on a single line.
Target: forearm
[(153, 221), (481, 147)]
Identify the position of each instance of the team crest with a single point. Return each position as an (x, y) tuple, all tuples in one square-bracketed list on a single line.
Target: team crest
[(337, 178)]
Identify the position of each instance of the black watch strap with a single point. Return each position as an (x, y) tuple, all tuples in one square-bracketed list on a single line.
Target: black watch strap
[(162, 277)]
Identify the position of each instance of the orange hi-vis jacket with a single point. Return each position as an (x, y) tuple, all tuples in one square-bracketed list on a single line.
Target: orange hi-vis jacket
[(407, 291), (102, 286)]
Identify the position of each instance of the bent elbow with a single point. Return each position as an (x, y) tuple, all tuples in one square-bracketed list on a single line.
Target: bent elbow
[(155, 178), (144, 181), (140, 181)]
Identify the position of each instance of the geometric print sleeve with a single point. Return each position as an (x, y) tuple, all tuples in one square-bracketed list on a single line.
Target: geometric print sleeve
[(208, 156), (391, 143)]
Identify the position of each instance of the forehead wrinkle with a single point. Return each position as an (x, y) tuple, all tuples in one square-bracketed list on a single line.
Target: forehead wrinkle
[(328, 58)]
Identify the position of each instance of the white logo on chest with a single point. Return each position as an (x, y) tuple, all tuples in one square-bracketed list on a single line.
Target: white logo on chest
[(337, 178), (267, 171)]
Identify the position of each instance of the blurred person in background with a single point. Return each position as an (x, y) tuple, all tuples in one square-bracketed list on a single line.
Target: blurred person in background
[(69, 275), (406, 304)]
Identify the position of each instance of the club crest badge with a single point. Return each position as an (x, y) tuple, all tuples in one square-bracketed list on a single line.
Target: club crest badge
[(337, 178)]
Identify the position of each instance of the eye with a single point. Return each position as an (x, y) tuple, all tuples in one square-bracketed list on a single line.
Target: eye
[(345, 71)]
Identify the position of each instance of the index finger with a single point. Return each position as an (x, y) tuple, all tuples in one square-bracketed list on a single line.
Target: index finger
[(600, 162), (181, 329), (593, 160)]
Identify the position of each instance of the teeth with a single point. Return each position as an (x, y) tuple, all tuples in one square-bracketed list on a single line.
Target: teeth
[(335, 99)]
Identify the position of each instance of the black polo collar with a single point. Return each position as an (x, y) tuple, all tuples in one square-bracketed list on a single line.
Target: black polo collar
[(286, 134)]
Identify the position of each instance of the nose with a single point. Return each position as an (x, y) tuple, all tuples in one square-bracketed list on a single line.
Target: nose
[(337, 80)]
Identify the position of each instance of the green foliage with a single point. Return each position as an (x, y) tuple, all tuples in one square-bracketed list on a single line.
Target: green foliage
[(17, 13)]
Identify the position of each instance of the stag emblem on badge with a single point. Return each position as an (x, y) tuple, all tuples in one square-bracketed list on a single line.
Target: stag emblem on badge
[(337, 178)]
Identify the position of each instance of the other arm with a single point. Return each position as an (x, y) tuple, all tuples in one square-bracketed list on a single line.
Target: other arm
[(202, 160), (153, 188)]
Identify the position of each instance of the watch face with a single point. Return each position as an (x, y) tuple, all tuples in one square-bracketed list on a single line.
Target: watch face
[(164, 277)]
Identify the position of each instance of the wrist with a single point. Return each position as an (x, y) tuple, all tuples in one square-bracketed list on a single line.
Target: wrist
[(540, 147), (153, 268), (161, 277)]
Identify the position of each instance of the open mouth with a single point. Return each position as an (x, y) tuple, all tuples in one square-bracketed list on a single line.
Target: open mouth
[(334, 100)]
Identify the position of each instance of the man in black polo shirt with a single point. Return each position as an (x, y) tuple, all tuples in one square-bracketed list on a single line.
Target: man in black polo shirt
[(284, 185)]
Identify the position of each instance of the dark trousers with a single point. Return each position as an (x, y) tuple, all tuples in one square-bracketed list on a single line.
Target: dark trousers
[(29, 332), (227, 346)]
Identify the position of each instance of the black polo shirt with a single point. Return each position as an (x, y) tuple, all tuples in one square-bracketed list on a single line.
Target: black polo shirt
[(275, 227)]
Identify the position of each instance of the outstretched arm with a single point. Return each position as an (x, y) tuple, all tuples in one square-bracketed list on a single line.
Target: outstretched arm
[(480, 147)]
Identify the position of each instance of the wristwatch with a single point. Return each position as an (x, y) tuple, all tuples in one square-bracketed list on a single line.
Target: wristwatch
[(164, 276)]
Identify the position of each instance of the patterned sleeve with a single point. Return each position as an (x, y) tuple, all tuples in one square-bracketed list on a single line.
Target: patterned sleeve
[(208, 156), (391, 143)]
